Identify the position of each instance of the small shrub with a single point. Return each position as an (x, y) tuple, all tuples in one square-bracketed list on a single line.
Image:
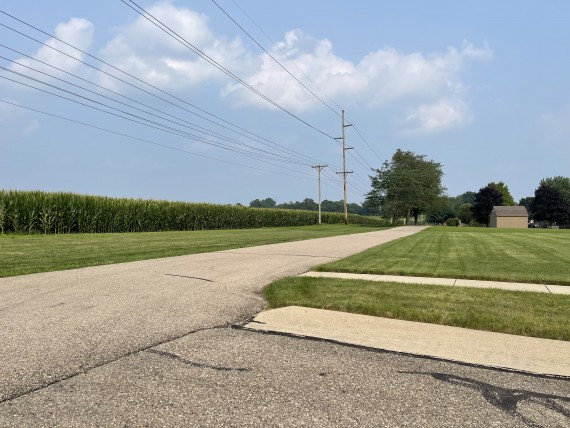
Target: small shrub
[(452, 222)]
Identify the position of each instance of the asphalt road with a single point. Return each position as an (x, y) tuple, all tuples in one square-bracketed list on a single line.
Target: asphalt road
[(148, 344)]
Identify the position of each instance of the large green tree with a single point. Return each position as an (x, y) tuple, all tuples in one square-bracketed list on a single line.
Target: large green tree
[(265, 203), (464, 198), (309, 204), (442, 210), (562, 184), (550, 204), (306, 204), (487, 197), (465, 214), (527, 202), (449, 207), (407, 183), (503, 189)]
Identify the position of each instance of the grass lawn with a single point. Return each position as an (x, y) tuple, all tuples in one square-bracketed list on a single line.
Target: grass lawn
[(24, 254), (512, 312), (513, 255)]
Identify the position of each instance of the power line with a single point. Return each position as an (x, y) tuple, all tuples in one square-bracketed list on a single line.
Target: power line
[(368, 166), (288, 59), (153, 125), (149, 141), (133, 77), (274, 59), (366, 142), (200, 128), (365, 164), (209, 133), (166, 29), (360, 179), (160, 125), (298, 68)]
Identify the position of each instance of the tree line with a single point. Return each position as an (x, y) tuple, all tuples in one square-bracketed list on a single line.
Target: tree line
[(550, 204), (309, 204), (409, 185)]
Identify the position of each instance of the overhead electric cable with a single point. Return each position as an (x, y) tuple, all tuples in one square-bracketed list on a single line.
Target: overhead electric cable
[(275, 59), (364, 162), (165, 28), (209, 133), (149, 141), (288, 59), (153, 125), (368, 166), (133, 77), (135, 86), (366, 142), (306, 159), (298, 68)]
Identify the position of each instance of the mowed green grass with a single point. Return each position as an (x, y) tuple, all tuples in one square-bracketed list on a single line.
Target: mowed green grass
[(513, 255), (512, 312), (25, 254)]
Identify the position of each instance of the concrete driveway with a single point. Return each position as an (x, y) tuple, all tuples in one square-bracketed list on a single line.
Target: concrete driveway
[(148, 344)]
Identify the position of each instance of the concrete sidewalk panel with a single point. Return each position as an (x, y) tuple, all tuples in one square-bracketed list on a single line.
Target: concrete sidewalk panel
[(542, 356), (415, 280), (473, 283), (559, 289), (513, 286), (382, 278), (340, 275)]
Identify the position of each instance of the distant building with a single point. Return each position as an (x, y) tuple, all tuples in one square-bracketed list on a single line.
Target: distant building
[(509, 217)]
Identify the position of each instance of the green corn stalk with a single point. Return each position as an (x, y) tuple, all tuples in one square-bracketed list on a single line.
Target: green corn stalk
[(2, 218), (43, 212)]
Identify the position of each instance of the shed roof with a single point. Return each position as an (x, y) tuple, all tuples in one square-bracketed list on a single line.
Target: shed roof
[(518, 211)]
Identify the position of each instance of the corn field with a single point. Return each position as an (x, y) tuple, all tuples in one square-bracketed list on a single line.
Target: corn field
[(36, 212)]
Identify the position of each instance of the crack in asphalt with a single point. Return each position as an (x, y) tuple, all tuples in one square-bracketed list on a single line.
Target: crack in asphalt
[(87, 369), (190, 277), (243, 326), (506, 399), (285, 255), (195, 364)]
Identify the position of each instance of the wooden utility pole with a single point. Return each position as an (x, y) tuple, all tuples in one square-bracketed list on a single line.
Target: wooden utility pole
[(319, 168), (344, 172)]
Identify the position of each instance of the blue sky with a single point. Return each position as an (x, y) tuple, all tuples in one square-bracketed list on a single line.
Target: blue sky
[(479, 86)]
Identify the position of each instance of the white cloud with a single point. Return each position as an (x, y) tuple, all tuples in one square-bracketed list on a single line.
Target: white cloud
[(425, 91), (439, 116), (314, 58), (77, 32), (429, 85), (142, 49), (481, 54)]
